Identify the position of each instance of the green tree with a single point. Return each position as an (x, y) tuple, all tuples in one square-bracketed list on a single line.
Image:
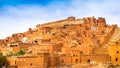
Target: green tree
[(3, 60), (22, 52), (19, 53)]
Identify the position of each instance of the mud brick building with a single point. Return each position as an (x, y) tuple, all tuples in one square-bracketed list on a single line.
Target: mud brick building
[(65, 42)]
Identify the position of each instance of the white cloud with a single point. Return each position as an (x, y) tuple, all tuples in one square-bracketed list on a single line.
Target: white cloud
[(15, 19)]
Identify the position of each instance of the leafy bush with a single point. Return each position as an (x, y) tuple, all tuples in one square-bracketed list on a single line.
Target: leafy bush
[(19, 53)]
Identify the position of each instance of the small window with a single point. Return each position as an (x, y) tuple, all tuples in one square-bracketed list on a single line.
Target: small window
[(105, 25), (116, 59), (88, 61), (31, 64), (103, 32), (80, 25), (117, 52), (74, 55), (53, 33)]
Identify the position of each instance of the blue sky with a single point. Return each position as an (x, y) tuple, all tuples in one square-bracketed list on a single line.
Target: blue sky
[(19, 15)]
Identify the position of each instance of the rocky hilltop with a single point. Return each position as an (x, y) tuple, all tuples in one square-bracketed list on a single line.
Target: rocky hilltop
[(64, 42), (78, 31)]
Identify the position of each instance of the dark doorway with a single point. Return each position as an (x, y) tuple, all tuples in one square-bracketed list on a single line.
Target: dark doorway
[(76, 60), (116, 59)]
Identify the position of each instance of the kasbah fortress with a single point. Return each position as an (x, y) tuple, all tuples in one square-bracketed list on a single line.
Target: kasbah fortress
[(69, 43)]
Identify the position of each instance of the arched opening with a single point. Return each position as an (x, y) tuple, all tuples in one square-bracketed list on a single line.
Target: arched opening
[(41, 56), (36, 41), (74, 55), (15, 61)]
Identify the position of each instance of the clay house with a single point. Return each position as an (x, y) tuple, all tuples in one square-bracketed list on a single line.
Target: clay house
[(113, 51), (52, 49), (40, 60), (65, 42)]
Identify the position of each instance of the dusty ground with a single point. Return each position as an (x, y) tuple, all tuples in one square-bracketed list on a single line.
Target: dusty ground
[(92, 65), (84, 66), (88, 66)]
